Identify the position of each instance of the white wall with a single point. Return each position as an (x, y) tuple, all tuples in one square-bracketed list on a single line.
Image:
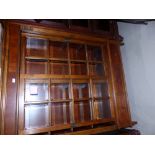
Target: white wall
[(138, 55)]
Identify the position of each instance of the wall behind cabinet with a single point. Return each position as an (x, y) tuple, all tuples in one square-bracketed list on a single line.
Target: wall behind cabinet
[(138, 55)]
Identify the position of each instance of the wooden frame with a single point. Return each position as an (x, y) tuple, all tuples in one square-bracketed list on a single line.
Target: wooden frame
[(92, 65), (62, 79)]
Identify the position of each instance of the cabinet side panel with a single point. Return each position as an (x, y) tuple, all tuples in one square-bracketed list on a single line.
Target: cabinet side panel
[(123, 113), (11, 87)]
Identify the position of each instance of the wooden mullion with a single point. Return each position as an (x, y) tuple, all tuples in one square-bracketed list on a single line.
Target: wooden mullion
[(78, 61), (36, 58), (59, 59), (89, 85), (71, 87), (36, 102), (49, 88)]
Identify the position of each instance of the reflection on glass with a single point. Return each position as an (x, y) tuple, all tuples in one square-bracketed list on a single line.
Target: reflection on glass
[(59, 91), (80, 91), (36, 67), (100, 90), (96, 69), (82, 111), (36, 47), (36, 116), (77, 51), (58, 50), (78, 68), (103, 109), (60, 113), (36, 92), (59, 68), (94, 53)]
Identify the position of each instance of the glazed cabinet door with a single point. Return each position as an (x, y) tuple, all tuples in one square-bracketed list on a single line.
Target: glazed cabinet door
[(63, 86)]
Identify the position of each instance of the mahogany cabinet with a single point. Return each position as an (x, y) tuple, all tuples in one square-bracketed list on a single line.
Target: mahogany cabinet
[(62, 78)]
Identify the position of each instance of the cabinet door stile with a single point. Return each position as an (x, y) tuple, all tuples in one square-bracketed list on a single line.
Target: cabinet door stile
[(71, 88), (21, 106), (106, 60)]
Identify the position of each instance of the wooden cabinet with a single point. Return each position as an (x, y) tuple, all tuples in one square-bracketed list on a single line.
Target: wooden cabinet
[(66, 82)]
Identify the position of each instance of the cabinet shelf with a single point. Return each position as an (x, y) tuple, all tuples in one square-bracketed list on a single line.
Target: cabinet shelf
[(76, 61), (101, 98), (83, 99), (36, 58), (60, 101)]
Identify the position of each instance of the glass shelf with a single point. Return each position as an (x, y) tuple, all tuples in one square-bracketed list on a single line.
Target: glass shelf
[(60, 113), (58, 50), (36, 47), (36, 116), (36, 91), (60, 91)]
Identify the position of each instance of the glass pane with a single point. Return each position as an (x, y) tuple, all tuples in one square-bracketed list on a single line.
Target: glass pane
[(60, 68), (100, 90), (94, 53), (36, 47), (82, 111), (78, 68), (58, 50), (80, 22), (60, 91), (36, 116), (77, 51), (80, 91), (96, 69), (60, 113), (36, 91), (36, 67), (103, 109)]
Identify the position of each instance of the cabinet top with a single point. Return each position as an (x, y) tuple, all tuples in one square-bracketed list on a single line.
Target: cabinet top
[(103, 28)]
